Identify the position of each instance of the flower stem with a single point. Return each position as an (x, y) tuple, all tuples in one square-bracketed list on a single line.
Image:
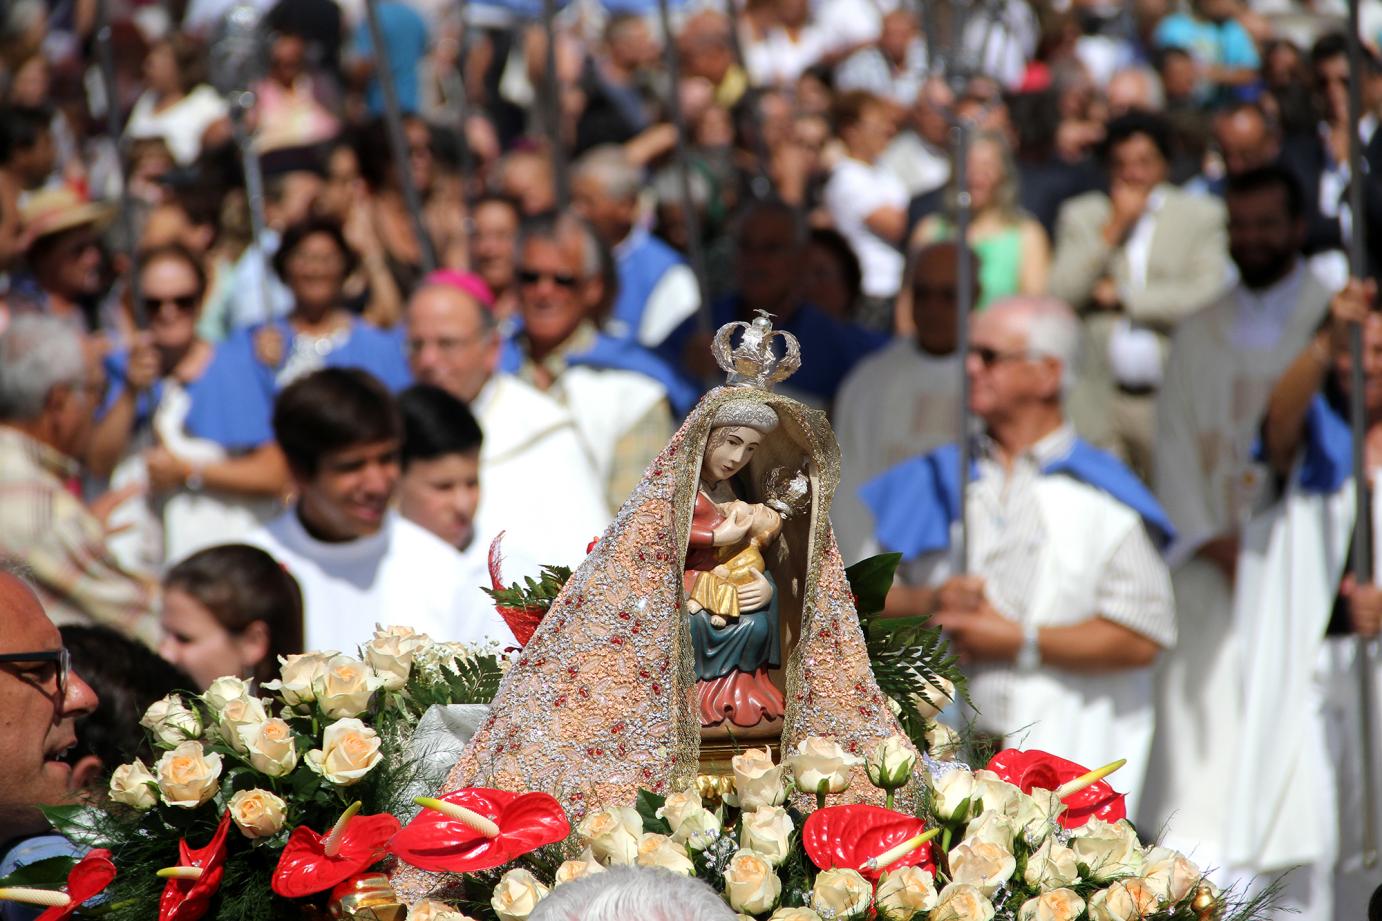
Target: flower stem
[(821, 789), (888, 800)]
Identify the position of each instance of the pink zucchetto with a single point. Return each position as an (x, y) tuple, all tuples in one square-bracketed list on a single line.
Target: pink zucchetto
[(465, 282)]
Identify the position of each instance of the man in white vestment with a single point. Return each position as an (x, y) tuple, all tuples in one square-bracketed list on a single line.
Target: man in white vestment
[(539, 486), (1065, 602), (902, 400), (1223, 363), (358, 561)]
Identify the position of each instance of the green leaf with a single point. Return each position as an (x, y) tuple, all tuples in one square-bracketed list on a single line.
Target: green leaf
[(648, 805), (870, 580), (49, 873)]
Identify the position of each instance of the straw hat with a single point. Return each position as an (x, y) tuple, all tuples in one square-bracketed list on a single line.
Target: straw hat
[(50, 211)]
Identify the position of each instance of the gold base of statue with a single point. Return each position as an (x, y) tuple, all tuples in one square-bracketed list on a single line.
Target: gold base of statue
[(717, 774)]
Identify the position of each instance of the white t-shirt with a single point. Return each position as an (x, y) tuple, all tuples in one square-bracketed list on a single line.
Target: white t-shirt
[(182, 125), (402, 575), (855, 191)]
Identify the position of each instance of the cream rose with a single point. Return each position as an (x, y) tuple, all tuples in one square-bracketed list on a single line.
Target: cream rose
[(270, 747), (1055, 905), (751, 883), (613, 834), (188, 776), (996, 793), (934, 697), (794, 914), (818, 761), (132, 785), (952, 794), (517, 895), (905, 893), (432, 910), (678, 806), (1036, 814), (1108, 850), (237, 714), (257, 813), (298, 676), (1169, 873), (577, 868), (171, 721), (391, 654), (843, 892), (962, 902), (942, 742), (224, 690), (1051, 866), (656, 850), (698, 829), (1125, 900), (890, 762), (757, 781), (768, 832), (993, 827), (345, 687), (983, 865), (349, 751)]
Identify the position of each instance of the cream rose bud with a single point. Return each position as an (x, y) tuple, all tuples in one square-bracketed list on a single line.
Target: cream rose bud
[(843, 892), (270, 746), (1169, 873), (934, 697), (904, 893), (257, 813), (1055, 905), (1108, 850), (794, 914), (345, 687), (767, 831), (819, 760), (757, 781), (678, 806), (1051, 866), (517, 895), (298, 675), (391, 654), (656, 850), (432, 910), (188, 776), (237, 714), (132, 785), (751, 883), (994, 828), (349, 751), (962, 902), (224, 690), (171, 721), (578, 868), (982, 865), (951, 795), (698, 829), (613, 834), (890, 762), (1125, 900), (942, 742)]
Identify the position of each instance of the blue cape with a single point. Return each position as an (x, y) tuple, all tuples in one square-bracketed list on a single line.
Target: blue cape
[(1328, 459), (915, 503)]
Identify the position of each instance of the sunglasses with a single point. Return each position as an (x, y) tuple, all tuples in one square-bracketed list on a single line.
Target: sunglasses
[(560, 279), (185, 303), (61, 659), (989, 357)]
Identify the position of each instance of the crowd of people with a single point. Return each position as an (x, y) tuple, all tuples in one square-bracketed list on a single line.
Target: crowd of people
[(291, 435)]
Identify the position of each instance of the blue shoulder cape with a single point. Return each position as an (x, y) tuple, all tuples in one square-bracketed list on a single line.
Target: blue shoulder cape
[(1328, 449), (915, 503)]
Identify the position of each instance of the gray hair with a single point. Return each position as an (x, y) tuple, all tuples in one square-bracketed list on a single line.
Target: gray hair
[(558, 228), (622, 893), (611, 167), (1052, 330), (667, 186), (37, 354), (1153, 93)]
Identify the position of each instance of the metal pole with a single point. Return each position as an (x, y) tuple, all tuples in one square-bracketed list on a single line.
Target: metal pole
[(454, 89), (693, 219), (964, 301), (761, 185), (1362, 534), (106, 50), (254, 196), (561, 177), (393, 118)]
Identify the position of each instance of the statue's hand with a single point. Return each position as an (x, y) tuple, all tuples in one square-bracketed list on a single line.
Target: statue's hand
[(756, 594), (733, 528)]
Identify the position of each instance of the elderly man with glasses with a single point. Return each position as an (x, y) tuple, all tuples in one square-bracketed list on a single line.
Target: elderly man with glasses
[(1064, 602)]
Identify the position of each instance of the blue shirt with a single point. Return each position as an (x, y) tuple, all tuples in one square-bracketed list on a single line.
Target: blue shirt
[(1223, 44), (405, 40)]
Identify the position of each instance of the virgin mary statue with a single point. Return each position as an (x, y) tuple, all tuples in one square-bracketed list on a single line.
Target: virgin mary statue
[(604, 699)]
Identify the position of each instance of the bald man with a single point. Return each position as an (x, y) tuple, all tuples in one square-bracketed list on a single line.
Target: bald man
[(538, 485)]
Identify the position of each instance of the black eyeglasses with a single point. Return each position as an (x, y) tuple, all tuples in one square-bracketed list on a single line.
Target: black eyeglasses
[(560, 279), (989, 357), (61, 659), (185, 303)]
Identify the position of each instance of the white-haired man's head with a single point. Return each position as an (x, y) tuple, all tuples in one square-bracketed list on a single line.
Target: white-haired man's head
[(605, 185), (624, 893), (1022, 354), (45, 389)]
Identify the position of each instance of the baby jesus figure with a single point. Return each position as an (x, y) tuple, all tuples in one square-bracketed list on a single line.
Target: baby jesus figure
[(741, 564)]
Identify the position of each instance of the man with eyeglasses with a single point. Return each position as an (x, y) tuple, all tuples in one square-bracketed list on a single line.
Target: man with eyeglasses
[(1064, 602)]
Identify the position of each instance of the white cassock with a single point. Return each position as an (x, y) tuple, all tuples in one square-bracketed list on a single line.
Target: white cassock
[(897, 403), (1223, 363), (537, 483)]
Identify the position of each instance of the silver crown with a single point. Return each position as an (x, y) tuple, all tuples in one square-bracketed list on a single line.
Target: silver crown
[(753, 363), (788, 492)]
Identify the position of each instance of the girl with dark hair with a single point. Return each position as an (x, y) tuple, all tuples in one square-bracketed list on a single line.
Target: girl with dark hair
[(230, 610)]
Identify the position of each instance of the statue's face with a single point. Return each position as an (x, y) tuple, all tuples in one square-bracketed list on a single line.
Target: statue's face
[(728, 450)]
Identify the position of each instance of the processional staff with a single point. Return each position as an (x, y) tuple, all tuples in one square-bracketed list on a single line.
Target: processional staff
[(561, 176), (105, 50)]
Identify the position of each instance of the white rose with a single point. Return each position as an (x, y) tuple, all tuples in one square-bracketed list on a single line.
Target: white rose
[(993, 827), (1055, 905), (171, 722), (270, 747), (890, 762), (996, 793), (391, 654), (818, 761), (843, 892), (188, 776), (1051, 866), (1036, 814), (942, 742), (1170, 874), (767, 831), (951, 795), (257, 813), (133, 785), (656, 850), (934, 697), (432, 910), (613, 834), (794, 914), (698, 829), (678, 806), (1125, 900), (904, 893), (757, 781), (344, 687), (751, 883), (577, 868), (237, 714), (983, 865), (1108, 850), (225, 689), (349, 751), (517, 895), (298, 675), (961, 902)]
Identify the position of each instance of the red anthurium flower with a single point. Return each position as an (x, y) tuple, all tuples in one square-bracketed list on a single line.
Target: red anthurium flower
[(491, 828), (1032, 770), (89, 878), (857, 837), (187, 895), (313, 863)]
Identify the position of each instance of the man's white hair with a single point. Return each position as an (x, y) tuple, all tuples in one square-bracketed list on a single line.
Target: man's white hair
[(37, 353), (611, 167), (1052, 330), (625, 893)]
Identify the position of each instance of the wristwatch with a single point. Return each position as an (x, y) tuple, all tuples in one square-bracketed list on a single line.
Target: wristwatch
[(1029, 655), (194, 482)]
